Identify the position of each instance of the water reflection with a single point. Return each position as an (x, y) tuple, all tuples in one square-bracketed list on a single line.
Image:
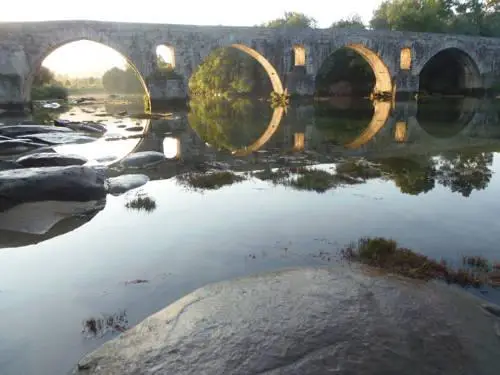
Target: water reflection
[(399, 170), (31, 223)]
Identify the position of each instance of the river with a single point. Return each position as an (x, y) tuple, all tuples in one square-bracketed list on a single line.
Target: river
[(438, 195)]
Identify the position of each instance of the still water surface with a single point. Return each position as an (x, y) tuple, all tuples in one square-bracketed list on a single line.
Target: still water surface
[(439, 196)]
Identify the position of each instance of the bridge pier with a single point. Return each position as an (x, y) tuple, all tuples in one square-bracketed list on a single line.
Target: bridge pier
[(406, 86), (162, 90), (299, 83)]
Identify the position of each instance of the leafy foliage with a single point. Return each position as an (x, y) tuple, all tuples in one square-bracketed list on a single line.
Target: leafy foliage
[(118, 81), (471, 17), (46, 87), (293, 20), (227, 72)]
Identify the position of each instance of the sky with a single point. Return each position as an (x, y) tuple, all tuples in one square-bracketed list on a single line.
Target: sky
[(79, 58)]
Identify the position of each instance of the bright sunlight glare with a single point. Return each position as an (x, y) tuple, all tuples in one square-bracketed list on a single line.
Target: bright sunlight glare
[(84, 59)]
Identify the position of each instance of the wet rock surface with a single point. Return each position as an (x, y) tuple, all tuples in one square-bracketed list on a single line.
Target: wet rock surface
[(50, 159), (142, 159), (121, 184), (16, 146), (309, 321), (6, 165), (70, 183), (20, 130), (58, 138)]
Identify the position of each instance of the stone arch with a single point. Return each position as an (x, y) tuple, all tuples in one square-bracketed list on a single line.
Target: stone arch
[(470, 77), (268, 67), (381, 113), (273, 75), (45, 50), (383, 78)]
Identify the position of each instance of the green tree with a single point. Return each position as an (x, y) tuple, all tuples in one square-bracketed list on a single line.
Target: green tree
[(472, 17), (354, 22), (413, 15), (228, 72), (44, 77), (292, 19), (120, 81)]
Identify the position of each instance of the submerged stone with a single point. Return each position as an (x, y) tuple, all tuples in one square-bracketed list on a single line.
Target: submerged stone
[(50, 159), (309, 321), (121, 184)]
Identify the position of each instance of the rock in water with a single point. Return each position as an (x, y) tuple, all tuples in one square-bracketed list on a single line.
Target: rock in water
[(73, 183), (18, 130), (50, 159), (6, 165), (86, 127), (142, 159), (17, 146), (59, 138), (311, 321), (121, 184), (135, 129)]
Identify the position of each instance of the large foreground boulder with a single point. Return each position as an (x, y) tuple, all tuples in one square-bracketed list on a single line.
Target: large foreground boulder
[(309, 321), (71, 183)]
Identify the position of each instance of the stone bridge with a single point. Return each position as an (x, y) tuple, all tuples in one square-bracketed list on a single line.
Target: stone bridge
[(291, 57)]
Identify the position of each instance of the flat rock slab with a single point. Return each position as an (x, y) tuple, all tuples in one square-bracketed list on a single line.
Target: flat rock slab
[(84, 127), (121, 184), (309, 321), (59, 138), (17, 146), (7, 165), (72, 183), (143, 159), (18, 130), (50, 159)]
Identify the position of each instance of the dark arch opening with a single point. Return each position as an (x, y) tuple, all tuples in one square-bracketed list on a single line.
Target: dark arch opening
[(354, 70), (345, 73), (450, 72)]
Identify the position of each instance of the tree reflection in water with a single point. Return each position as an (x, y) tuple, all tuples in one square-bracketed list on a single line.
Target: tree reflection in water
[(228, 124)]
